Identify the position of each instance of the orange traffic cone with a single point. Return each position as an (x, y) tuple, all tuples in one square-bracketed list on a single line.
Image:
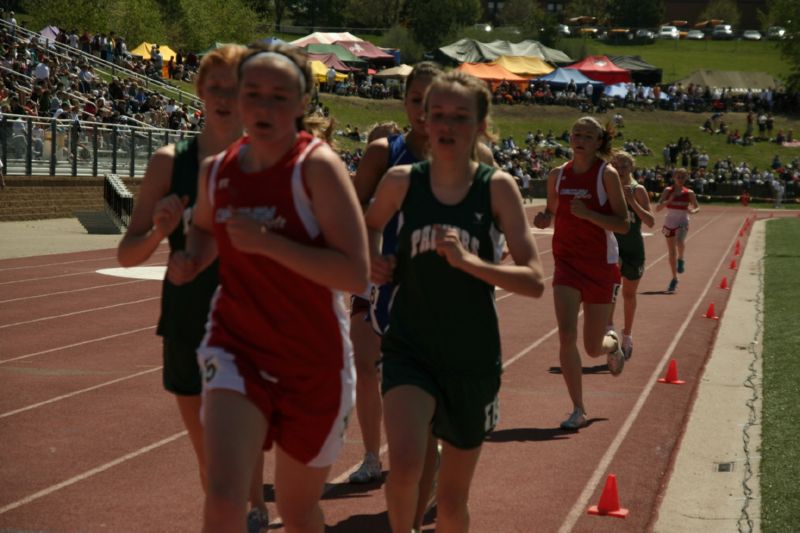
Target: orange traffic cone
[(741, 232), (724, 283), (738, 248), (609, 501), (710, 312), (733, 264), (672, 374)]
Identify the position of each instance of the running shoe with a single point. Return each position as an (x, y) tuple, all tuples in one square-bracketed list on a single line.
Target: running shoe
[(627, 346), (368, 472), (681, 266), (575, 421), (257, 521), (615, 358), (673, 285)]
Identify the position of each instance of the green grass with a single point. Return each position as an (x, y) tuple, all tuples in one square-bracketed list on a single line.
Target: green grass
[(780, 448), (678, 59), (655, 128)]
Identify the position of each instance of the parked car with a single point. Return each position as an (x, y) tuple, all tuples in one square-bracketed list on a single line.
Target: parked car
[(695, 35), (644, 36), (751, 35), (563, 30), (722, 32), (668, 32), (776, 33)]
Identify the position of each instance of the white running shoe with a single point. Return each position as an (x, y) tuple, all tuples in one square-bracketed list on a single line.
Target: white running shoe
[(627, 346), (575, 421), (368, 472), (615, 358)]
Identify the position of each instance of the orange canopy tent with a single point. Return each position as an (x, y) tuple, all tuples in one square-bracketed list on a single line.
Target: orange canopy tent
[(494, 74)]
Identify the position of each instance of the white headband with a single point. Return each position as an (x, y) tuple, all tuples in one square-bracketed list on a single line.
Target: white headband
[(283, 58)]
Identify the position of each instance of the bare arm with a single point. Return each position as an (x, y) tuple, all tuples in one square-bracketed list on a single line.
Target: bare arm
[(618, 220), (524, 275), (662, 200), (640, 203), (543, 219), (485, 155), (201, 247), (342, 264), (371, 169), (695, 207), (388, 199), (156, 213)]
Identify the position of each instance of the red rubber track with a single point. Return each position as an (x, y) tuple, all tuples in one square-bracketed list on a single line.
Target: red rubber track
[(91, 442)]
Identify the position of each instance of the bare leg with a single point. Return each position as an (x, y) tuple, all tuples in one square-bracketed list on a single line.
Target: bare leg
[(407, 414), (366, 348), (455, 478), (629, 288), (234, 433), (595, 341), (567, 302), (673, 259), (257, 484), (189, 407), (298, 488), (426, 481)]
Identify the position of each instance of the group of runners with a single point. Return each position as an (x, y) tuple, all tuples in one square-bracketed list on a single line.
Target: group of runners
[(268, 234)]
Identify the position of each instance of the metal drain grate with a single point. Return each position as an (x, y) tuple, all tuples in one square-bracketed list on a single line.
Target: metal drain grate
[(723, 467)]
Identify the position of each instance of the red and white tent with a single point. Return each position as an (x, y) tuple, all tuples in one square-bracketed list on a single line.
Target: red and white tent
[(319, 37), (601, 68), (366, 50)]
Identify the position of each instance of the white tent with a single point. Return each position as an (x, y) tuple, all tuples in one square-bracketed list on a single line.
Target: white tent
[(400, 71), (319, 37)]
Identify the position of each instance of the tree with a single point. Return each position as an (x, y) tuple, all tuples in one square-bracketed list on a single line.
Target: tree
[(588, 8), (318, 13), (432, 21), (529, 17), (207, 21), (370, 13), (726, 10), (67, 14), (136, 21), (786, 13), (636, 13)]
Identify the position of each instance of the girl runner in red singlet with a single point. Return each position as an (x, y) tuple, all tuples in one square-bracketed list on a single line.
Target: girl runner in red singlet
[(164, 209), (441, 353), (680, 202), (279, 209), (585, 197)]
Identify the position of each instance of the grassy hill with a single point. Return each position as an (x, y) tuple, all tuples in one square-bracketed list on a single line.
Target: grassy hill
[(655, 128)]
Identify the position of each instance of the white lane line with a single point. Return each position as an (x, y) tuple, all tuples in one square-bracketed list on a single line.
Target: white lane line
[(77, 392), (582, 503), (58, 293), (82, 311), (89, 473), (57, 276), (62, 263), (66, 347)]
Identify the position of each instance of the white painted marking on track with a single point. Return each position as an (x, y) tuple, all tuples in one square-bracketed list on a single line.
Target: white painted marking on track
[(549, 231), (582, 503), (93, 309), (155, 273), (89, 473), (57, 276), (77, 392), (58, 293), (109, 258), (59, 348)]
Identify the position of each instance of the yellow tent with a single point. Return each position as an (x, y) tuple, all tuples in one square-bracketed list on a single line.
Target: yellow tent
[(525, 66), (320, 72), (144, 51)]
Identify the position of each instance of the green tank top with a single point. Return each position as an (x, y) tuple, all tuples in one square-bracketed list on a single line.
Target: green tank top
[(184, 308), (441, 316), (632, 241)]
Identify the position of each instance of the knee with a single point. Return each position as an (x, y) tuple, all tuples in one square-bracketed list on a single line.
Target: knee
[(299, 517), (407, 466), (567, 337), (452, 509)]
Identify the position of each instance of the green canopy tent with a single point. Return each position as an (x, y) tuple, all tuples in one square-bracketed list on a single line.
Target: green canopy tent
[(340, 52)]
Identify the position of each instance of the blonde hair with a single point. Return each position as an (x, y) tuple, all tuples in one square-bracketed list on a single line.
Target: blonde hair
[(622, 154), (225, 56), (379, 130), (606, 134)]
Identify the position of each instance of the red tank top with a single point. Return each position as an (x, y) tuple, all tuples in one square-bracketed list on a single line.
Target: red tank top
[(679, 201), (576, 238), (262, 310)]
